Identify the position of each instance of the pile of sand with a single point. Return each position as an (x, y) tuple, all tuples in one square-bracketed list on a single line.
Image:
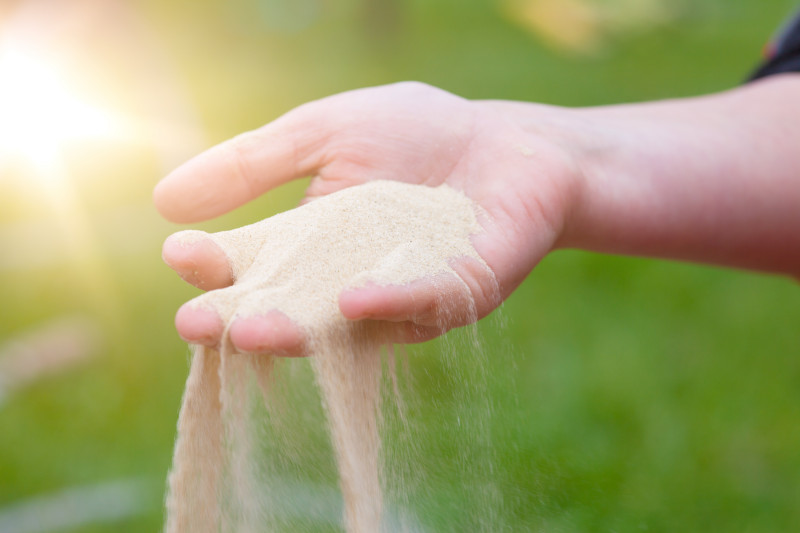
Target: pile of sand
[(299, 262)]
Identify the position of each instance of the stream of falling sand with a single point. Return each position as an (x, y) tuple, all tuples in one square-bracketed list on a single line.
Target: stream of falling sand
[(298, 262)]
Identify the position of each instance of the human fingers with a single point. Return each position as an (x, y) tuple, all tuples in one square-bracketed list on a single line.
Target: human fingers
[(273, 332), (240, 169), (196, 325), (214, 260), (420, 302), (442, 302), (197, 259)]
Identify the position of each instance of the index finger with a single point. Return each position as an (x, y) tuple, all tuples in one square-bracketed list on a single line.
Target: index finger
[(240, 169)]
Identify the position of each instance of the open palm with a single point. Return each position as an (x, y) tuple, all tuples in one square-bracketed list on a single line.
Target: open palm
[(407, 132)]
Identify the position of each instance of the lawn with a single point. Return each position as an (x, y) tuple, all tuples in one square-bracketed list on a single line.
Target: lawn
[(607, 394)]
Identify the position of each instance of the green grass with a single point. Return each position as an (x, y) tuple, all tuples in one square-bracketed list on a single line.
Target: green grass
[(617, 394)]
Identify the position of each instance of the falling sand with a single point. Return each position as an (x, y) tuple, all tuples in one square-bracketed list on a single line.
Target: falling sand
[(298, 262)]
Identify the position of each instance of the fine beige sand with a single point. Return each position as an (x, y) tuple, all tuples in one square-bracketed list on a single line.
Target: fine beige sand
[(298, 262)]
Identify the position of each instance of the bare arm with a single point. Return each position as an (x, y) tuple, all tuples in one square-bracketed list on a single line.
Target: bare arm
[(713, 179)]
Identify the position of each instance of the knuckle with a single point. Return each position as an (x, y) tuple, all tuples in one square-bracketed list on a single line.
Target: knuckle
[(238, 154), (413, 86)]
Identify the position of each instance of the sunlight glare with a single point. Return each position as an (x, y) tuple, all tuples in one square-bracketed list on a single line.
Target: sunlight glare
[(39, 113)]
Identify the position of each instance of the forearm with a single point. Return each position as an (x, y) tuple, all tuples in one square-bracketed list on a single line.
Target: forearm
[(714, 179)]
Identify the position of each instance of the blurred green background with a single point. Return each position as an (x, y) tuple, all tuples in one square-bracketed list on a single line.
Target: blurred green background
[(612, 394)]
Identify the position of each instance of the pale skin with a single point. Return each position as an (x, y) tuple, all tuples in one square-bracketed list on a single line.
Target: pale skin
[(713, 179)]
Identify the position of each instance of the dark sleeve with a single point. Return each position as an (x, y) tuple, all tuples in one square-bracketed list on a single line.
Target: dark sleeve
[(783, 52)]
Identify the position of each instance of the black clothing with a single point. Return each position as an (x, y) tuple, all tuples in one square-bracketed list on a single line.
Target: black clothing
[(782, 54)]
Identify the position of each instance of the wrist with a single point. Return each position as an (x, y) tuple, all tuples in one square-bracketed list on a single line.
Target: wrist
[(574, 152), (594, 148)]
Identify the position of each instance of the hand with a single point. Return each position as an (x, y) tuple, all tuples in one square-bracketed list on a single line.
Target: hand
[(408, 132)]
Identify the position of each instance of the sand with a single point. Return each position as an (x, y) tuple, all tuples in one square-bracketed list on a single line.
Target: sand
[(298, 262)]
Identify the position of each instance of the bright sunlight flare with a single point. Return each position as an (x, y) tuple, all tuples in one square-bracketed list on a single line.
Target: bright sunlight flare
[(39, 112)]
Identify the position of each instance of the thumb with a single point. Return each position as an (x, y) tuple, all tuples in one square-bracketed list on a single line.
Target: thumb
[(240, 169)]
